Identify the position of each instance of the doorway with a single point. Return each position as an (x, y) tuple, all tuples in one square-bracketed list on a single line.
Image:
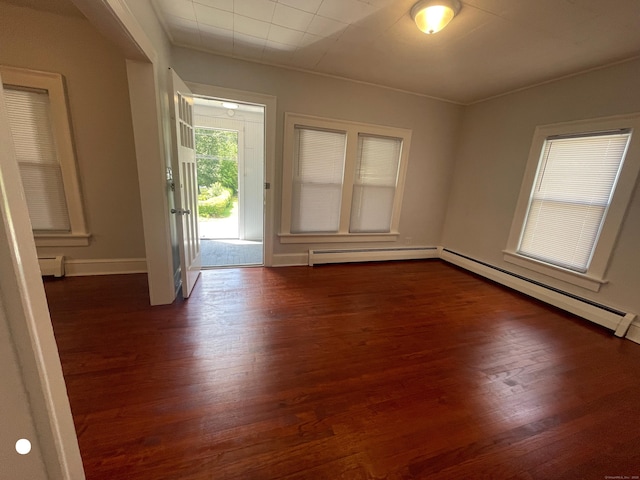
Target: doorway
[(231, 162)]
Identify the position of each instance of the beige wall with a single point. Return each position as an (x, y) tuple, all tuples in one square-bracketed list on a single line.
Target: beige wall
[(493, 149), (434, 124), (96, 82)]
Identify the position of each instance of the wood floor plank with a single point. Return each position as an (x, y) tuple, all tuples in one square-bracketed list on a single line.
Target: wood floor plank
[(395, 370)]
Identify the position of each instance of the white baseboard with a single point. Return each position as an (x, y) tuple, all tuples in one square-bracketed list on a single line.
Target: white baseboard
[(348, 255), (353, 255), (52, 266), (633, 333), (104, 266), (581, 308), (86, 267), (290, 259)]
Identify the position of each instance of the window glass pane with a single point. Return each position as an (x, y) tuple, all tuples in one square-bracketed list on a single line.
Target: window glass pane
[(30, 121), (571, 194), (375, 183), (319, 158)]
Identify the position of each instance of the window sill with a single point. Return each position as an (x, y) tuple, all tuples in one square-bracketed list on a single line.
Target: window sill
[(337, 237), (586, 281), (61, 239)]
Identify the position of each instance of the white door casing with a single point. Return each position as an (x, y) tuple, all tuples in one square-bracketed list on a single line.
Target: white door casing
[(268, 153), (185, 179), (41, 410)]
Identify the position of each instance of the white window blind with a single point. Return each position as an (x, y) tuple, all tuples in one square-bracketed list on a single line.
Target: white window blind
[(573, 189), (319, 158), (30, 120), (375, 183)]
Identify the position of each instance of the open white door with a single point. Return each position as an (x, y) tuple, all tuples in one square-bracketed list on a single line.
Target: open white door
[(185, 178)]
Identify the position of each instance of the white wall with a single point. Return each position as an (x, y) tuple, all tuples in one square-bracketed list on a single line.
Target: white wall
[(493, 150), (96, 81), (433, 122)]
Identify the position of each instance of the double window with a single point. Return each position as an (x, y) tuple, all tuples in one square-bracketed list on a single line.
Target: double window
[(37, 110), (578, 182), (343, 181)]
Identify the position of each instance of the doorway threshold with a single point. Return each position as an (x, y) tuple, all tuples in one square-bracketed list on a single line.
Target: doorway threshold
[(230, 252)]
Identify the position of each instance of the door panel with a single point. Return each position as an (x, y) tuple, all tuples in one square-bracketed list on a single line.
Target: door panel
[(253, 206), (186, 182)]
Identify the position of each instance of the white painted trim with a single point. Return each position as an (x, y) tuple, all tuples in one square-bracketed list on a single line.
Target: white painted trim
[(52, 266), (130, 25), (352, 131), (114, 20), (633, 333), (575, 278), (150, 160), (117, 23), (61, 240), (270, 104), (104, 266), (321, 255), (53, 84), (290, 260), (30, 323), (625, 323), (597, 315), (615, 213)]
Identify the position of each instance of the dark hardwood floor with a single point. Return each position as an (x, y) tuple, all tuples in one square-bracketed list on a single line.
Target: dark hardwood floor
[(407, 370)]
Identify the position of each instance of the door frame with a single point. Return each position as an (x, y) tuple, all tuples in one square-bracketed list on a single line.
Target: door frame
[(25, 308), (269, 103), (146, 65), (145, 69)]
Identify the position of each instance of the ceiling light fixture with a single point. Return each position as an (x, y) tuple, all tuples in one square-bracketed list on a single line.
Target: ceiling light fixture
[(431, 16)]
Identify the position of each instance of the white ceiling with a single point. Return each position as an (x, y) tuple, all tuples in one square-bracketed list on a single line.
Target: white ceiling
[(491, 47)]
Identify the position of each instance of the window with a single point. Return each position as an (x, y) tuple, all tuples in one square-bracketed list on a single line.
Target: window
[(578, 182), (343, 181), (37, 111), (317, 181), (374, 187)]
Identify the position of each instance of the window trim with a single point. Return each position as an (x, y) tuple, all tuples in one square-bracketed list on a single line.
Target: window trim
[(352, 129), (594, 277), (61, 126)]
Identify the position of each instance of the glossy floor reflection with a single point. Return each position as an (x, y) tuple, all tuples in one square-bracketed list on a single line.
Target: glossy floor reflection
[(393, 370)]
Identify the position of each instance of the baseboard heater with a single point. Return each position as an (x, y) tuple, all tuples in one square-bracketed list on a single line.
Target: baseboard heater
[(317, 257), (52, 266), (606, 316)]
